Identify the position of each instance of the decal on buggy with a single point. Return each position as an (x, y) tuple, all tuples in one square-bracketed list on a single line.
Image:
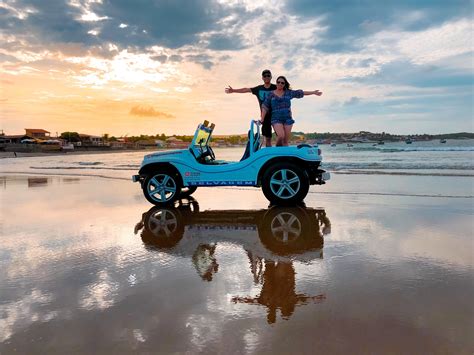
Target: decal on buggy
[(221, 183), (192, 174)]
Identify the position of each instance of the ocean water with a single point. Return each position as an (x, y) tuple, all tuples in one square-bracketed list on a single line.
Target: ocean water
[(431, 158)]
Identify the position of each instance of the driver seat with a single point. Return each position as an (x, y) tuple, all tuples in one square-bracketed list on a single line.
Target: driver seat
[(256, 146)]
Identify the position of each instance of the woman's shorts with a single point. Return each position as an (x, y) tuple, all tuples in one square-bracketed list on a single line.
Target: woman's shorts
[(284, 121)]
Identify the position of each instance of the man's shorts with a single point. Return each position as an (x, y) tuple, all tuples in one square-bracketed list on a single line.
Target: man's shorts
[(267, 126)]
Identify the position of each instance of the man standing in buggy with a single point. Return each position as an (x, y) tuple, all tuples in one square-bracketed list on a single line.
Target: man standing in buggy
[(261, 91)]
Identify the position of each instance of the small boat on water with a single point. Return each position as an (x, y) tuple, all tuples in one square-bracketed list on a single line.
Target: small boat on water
[(380, 142), (333, 145), (408, 141), (442, 140), (350, 145)]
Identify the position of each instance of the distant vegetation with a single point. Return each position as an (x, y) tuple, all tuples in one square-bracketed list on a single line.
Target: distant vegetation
[(461, 135), (362, 136)]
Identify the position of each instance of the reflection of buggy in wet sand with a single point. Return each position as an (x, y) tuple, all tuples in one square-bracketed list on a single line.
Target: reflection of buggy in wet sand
[(272, 238)]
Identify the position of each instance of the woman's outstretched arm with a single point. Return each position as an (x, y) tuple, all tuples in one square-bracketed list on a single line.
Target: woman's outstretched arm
[(315, 92)]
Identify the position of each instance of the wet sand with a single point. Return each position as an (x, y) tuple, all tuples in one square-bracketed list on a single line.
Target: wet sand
[(13, 155), (371, 264)]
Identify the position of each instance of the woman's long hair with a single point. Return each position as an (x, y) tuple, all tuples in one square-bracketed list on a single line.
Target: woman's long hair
[(287, 84)]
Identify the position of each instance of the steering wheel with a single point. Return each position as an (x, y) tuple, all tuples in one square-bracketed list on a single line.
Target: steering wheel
[(211, 153)]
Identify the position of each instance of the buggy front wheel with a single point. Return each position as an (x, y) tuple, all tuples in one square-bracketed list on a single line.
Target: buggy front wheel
[(161, 188)]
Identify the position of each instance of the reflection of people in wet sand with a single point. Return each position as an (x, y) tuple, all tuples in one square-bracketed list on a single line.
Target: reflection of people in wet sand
[(278, 291), (205, 262), (256, 267), (324, 222)]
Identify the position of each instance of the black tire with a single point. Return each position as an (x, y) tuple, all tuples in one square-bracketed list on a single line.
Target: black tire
[(163, 187), (285, 184), (187, 191)]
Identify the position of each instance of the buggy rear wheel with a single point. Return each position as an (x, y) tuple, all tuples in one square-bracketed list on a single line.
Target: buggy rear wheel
[(285, 184)]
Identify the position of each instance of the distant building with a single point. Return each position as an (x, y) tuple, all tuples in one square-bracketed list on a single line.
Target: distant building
[(14, 138), (118, 144), (87, 139), (145, 143), (37, 133), (174, 142)]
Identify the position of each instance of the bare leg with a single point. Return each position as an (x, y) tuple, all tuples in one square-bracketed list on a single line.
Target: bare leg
[(280, 131), (268, 141), (287, 137)]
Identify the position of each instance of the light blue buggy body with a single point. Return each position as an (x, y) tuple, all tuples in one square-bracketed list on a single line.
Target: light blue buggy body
[(284, 173)]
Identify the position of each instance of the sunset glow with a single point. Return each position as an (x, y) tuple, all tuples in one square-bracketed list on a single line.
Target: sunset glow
[(121, 68)]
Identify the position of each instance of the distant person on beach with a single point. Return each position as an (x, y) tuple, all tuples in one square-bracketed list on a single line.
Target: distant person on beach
[(278, 102), (261, 91)]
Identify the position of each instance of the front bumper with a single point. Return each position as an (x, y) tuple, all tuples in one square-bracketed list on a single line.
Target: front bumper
[(320, 177), (316, 175), (136, 178), (325, 176)]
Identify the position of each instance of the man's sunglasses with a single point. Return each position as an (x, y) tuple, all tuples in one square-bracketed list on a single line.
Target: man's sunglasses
[(267, 75)]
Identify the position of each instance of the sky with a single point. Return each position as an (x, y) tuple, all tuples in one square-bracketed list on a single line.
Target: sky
[(126, 67)]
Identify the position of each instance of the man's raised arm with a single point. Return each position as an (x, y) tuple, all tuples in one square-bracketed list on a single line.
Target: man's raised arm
[(230, 90)]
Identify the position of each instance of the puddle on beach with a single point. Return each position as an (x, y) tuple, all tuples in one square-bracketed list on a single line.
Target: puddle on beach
[(87, 265)]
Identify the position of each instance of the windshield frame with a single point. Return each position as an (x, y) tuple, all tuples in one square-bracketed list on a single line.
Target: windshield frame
[(202, 136)]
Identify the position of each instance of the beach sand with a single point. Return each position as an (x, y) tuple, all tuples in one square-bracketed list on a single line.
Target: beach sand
[(380, 264)]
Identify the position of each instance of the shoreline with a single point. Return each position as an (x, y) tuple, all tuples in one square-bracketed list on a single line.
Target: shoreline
[(7, 155)]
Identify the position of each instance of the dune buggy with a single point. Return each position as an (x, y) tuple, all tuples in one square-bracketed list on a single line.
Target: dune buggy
[(283, 173)]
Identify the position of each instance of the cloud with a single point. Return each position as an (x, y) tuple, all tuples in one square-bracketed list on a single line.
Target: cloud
[(352, 101), (231, 42), (202, 59), (348, 20), (405, 73), (172, 24), (148, 111), (42, 24)]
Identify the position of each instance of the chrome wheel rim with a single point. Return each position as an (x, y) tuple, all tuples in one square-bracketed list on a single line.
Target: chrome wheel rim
[(162, 223), (285, 227), (161, 188), (285, 183)]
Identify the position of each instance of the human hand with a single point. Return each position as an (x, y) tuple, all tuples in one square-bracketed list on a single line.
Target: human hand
[(317, 92), (229, 90)]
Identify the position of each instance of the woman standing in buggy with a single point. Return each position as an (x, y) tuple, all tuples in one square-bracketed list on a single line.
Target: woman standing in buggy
[(278, 102)]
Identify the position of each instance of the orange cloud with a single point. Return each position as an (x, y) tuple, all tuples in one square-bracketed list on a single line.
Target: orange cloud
[(148, 111)]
